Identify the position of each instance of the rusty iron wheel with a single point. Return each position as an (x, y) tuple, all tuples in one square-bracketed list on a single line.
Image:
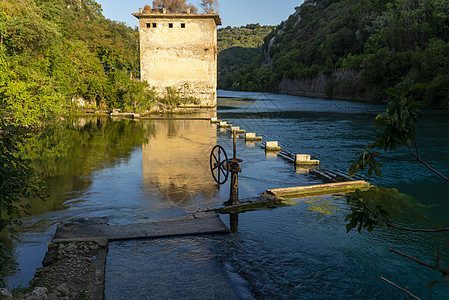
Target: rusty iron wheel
[(219, 164)]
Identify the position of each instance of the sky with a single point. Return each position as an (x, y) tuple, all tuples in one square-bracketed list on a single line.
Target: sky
[(232, 12)]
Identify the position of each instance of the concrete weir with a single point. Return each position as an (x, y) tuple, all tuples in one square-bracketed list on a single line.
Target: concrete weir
[(317, 190), (117, 113), (237, 129), (251, 136), (272, 146), (74, 266), (224, 124), (304, 159)]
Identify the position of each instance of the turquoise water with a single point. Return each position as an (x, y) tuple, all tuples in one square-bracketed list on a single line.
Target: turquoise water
[(285, 253), (333, 131), (309, 255)]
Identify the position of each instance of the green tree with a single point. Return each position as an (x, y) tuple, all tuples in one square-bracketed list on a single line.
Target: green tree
[(173, 6), (239, 47), (383, 43), (209, 6), (18, 180), (53, 58)]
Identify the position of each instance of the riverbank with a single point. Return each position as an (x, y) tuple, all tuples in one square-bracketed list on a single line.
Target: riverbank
[(339, 85), (330, 88)]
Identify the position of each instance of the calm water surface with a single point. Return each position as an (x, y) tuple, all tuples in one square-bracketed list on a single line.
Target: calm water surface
[(159, 169)]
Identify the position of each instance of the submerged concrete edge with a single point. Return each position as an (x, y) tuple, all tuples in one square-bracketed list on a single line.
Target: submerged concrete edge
[(75, 263), (319, 189)]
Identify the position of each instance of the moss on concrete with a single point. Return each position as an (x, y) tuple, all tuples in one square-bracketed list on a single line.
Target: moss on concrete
[(262, 203), (317, 190)]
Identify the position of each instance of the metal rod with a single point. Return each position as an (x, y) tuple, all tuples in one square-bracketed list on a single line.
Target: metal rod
[(234, 222), (235, 142), (218, 168)]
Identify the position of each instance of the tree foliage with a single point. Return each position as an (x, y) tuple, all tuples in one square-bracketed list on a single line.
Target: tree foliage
[(237, 47), (18, 180), (388, 43), (209, 6), (52, 52), (55, 52), (174, 6), (397, 129)]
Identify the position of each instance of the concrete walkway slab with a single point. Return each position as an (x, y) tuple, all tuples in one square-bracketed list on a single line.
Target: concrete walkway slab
[(74, 266), (195, 224)]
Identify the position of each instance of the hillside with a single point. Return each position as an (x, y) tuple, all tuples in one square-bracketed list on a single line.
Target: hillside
[(355, 49), (53, 52), (239, 46)]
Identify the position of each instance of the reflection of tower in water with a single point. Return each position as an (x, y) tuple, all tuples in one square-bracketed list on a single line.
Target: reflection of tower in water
[(176, 161)]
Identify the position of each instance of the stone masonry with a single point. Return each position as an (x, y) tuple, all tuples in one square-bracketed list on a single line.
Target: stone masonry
[(180, 51)]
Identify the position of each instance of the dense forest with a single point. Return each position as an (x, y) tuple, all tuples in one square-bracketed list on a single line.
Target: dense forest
[(355, 49), (55, 51), (239, 46)]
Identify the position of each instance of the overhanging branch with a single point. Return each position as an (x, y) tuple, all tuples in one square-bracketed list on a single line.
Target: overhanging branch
[(405, 290)]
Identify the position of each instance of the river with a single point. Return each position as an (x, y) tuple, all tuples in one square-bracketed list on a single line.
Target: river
[(156, 169)]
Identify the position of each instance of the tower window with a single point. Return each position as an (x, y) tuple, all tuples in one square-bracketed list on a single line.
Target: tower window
[(148, 25), (154, 25), (183, 25), (170, 25)]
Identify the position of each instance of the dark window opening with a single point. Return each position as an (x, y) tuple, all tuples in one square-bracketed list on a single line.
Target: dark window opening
[(154, 25), (183, 25), (148, 25), (170, 25)]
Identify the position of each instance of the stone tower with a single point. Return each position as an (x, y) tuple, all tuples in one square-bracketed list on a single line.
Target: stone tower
[(180, 50)]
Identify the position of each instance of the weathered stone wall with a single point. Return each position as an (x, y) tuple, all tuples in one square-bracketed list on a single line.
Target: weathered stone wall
[(183, 54), (315, 87)]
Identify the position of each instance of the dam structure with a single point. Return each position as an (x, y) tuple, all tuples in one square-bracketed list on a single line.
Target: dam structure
[(179, 50)]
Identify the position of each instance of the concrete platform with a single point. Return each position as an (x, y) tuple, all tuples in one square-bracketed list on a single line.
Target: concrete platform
[(318, 190), (74, 266), (195, 224)]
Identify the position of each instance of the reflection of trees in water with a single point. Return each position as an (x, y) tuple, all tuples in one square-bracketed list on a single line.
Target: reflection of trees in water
[(79, 144), (173, 128), (7, 262), (66, 154)]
